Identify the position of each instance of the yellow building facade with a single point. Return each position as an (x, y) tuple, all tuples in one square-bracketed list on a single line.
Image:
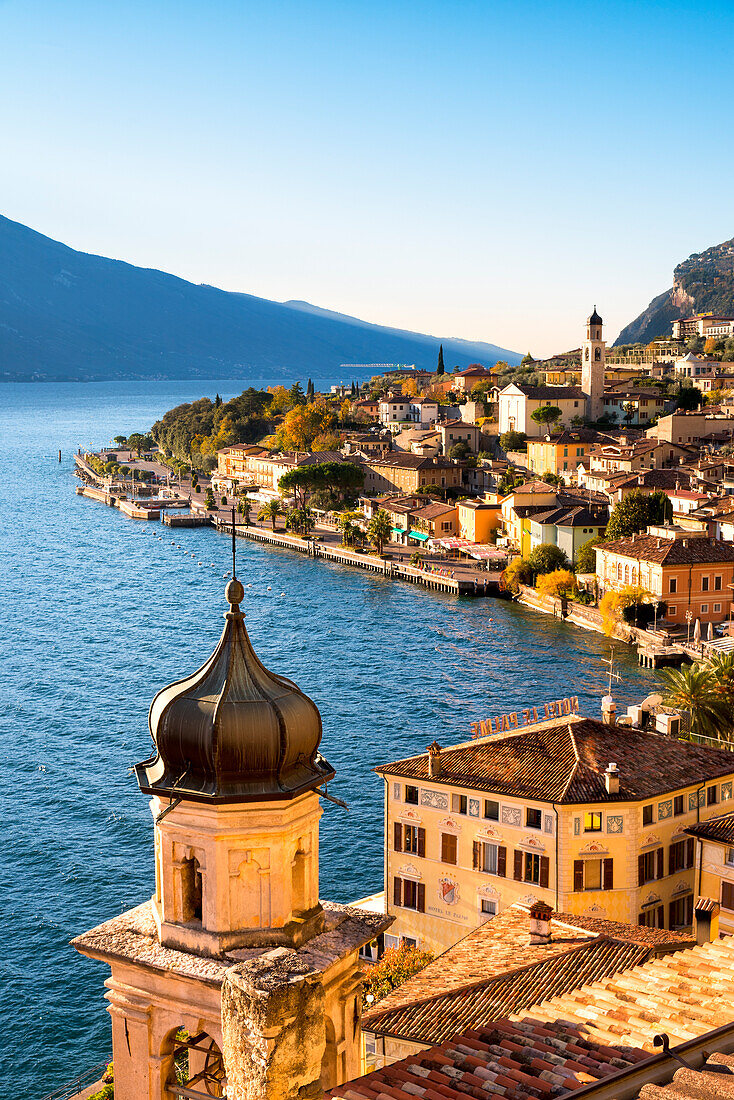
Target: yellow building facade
[(473, 828), (715, 865), (558, 456), (477, 519)]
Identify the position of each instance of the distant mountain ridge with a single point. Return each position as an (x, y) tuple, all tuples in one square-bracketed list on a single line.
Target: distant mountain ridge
[(67, 315), (704, 283)]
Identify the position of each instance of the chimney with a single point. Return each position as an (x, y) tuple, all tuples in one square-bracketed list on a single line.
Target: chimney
[(608, 711), (611, 778), (434, 760), (706, 912), (540, 922)]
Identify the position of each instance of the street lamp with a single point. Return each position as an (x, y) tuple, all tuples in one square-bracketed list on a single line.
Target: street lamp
[(655, 604), (689, 618)]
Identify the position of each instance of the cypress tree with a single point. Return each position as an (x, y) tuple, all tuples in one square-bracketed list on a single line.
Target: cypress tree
[(440, 368)]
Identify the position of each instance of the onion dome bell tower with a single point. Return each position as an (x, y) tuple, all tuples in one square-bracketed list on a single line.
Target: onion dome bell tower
[(593, 360), (233, 785)]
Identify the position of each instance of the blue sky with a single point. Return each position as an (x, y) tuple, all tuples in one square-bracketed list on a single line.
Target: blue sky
[(487, 170)]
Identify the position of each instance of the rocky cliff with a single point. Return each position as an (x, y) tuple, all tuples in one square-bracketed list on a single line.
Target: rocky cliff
[(703, 283)]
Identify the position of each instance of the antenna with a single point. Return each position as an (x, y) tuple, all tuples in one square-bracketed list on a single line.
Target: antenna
[(234, 547), (612, 674)]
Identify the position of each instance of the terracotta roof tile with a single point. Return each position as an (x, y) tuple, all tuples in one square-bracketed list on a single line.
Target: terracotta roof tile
[(564, 760), (716, 828)]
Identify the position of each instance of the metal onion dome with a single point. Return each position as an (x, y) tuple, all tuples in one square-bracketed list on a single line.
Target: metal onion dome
[(233, 731), (595, 319)]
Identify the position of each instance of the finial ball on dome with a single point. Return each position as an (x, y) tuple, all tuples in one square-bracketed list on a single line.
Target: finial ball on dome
[(234, 592)]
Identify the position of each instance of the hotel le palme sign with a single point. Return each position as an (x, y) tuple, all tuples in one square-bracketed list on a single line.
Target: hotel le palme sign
[(517, 719)]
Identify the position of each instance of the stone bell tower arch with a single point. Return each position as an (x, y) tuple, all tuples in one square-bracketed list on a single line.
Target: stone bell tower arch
[(593, 359), (234, 962)]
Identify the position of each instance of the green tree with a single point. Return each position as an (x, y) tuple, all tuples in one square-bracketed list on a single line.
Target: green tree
[(629, 412), (300, 520), (120, 439), (296, 395), (546, 414), (210, 500), (546, 558), (526, 360), (689, 399), (440, 369), (636, 512), (586, 558), (270, 511), (517, 572), (513, 441), (460, 449), (136, 441), (379, 529)]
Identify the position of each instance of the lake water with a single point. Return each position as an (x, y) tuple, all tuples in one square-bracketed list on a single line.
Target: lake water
[(98, 615)]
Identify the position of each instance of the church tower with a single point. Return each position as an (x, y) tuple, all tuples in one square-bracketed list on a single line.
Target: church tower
[(234, 979), (593, 358)]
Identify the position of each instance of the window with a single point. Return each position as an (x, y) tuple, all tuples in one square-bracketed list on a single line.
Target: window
[(449, 848), (672, 611), (729, 856), (488, 908), (411, 795), (680, 856), (409, 838), (705, 584), (681, 912), (533, 818), (458, 803), (650, 866), (712, 796), (529, 867), (409, 895), (652, 918), (191, 892), (727, 895), (673, 584), (593, 874), (717, 608), (717, 584), (704, 608), (592, 822), (491, 810), (648, 815), (679, 805), (489, 858)]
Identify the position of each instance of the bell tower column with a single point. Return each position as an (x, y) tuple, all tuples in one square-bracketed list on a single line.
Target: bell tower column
[(593, 359)]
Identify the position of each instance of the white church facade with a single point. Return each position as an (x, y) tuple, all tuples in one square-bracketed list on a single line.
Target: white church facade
[(518, 402)]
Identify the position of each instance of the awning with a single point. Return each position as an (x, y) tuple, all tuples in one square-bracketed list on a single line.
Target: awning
[(420, 535), (398, 530), (479, 550)]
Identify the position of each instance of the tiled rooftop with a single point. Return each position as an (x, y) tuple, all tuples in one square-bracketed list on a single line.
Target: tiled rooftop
[(690, 551), (715, 1081), (564, 760), (572, 1040), (717, 828)]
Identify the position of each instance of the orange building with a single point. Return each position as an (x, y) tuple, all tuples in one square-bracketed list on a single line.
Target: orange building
[(689, 571)]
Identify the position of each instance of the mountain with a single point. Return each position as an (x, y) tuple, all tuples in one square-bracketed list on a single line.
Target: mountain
[(704, 283), (67, 315)]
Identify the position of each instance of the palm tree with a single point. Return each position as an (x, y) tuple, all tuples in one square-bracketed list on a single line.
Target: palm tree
[(693, 688), (721, 671), (246, 509), (271, 511), (379, 529)]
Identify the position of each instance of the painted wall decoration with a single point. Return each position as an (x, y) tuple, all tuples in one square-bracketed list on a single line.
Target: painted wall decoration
[(681, 887), (448, 890), (528, 899), (437, 800), (450, 824), (651, 838), (615, 823), (488, 832), (665, 809), (396, 791), (511, 815), (548, 824), (409, 870), (726, 791), (651, 899), (473, 807), (410, 817), (576, 826), (594, 847), (692, 800), (488, 892), (534, 842)]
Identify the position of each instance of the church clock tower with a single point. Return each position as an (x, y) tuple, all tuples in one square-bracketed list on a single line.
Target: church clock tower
[(593, 358)]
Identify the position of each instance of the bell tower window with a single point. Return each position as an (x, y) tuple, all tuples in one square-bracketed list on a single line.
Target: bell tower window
[(190, 890)]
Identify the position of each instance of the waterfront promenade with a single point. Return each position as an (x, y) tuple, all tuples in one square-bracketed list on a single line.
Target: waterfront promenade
[(435, 572)]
